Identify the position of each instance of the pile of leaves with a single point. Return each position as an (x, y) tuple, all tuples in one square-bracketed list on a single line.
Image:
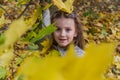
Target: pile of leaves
[(100, 19)]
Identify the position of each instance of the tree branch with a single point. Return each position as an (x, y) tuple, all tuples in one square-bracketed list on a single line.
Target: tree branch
[(27, 5)]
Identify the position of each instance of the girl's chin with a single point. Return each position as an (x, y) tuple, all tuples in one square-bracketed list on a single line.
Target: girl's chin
[(63, 46)]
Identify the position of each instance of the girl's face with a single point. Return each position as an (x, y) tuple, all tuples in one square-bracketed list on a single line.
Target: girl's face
[(65, 31)]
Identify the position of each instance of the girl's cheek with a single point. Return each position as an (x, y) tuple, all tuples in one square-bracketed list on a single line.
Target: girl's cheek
[(56, 34)]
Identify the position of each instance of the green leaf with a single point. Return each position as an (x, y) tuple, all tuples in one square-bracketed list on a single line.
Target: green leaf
[(20, 59), (43, 32), (32, 47), (2, 38), (3, 73), (32, 33)]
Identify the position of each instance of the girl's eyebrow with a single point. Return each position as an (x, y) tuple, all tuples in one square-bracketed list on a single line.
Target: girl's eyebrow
[(58, 26)]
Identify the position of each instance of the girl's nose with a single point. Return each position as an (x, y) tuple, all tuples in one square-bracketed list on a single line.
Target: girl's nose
[(63, 33)]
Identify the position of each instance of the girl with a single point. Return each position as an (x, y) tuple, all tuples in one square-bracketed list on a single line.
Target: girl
[(68, 31)]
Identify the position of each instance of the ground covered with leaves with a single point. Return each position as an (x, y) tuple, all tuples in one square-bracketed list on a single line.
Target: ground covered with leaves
[(100, 18)]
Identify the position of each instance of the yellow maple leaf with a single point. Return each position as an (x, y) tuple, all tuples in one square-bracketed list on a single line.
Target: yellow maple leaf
[(46, 45), (66, 6), (90, 67)]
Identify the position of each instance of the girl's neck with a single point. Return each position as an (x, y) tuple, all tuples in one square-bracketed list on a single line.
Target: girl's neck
[(61, 47)]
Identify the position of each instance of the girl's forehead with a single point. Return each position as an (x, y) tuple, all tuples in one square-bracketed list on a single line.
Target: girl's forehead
[(64, 21)]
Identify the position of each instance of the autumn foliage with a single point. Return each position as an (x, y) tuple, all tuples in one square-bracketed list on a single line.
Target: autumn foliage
[(23, 42)]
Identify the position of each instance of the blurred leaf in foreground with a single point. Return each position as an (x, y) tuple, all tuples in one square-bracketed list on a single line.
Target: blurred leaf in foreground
[(90, 67), (17, 28)]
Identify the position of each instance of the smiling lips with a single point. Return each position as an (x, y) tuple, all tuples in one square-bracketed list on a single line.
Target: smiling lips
[(62, 40)]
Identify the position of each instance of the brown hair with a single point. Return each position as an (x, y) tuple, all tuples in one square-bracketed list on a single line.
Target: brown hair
[(79, 40)]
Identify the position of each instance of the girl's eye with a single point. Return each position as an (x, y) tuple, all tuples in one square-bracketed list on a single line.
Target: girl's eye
[(68, 29), (58, 29)]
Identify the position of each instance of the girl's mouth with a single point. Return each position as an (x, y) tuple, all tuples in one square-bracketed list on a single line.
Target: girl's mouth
[(62, 40)]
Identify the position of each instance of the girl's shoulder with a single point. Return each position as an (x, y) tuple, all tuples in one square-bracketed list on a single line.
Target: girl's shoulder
[(62, 52), (79, 51)]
